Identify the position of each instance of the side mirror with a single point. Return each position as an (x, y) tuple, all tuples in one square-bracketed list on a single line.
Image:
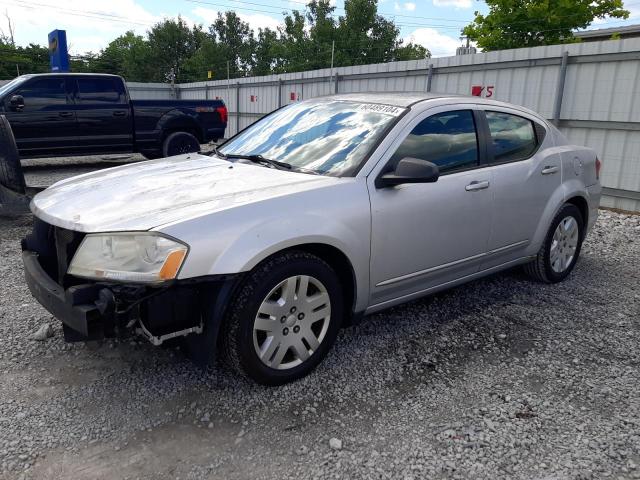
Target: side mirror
[(410, 170), (17, 102)]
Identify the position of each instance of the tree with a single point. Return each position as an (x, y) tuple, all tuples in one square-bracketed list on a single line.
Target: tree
[(530, 23), (237, 44), (172, 43)]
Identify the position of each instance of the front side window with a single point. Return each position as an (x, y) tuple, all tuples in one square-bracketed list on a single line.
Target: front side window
[(513, 137), (447, 139), (43, 92), (99, 90), (326, 137)]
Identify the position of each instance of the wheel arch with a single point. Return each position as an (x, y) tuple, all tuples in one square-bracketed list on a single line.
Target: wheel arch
[(177, 121), (582, 205), (336, 259)]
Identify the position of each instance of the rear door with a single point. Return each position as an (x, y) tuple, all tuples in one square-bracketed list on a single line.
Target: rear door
[(46, 124), (104, 114), (525, 175)]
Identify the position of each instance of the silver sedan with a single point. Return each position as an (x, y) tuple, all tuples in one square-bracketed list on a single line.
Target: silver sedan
[(317, 214)]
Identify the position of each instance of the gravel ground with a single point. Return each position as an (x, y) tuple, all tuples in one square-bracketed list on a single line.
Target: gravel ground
[(501, 378)]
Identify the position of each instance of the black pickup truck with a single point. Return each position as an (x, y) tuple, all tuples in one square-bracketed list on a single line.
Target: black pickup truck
[(85, 114)]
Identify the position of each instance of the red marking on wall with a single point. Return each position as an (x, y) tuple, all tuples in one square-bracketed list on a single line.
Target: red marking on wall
[(482, 91)]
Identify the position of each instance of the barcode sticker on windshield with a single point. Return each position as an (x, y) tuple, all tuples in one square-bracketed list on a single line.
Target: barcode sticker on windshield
[(376, 107)]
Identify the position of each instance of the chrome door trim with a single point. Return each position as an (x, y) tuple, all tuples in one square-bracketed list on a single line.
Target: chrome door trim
[(450, 264)]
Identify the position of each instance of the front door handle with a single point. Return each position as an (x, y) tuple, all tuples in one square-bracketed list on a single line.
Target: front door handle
[(119, 113), (66, 114), (549, 170), (475, 185)]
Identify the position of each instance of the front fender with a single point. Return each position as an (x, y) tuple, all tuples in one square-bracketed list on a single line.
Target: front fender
[(237, 239)]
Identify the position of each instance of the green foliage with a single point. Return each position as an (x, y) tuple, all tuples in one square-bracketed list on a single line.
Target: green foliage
[(172, 48), (29, 59), (530, 23)]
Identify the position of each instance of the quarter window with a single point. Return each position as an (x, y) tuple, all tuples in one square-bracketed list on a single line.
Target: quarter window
[(447, 139), (99, 90), (43, 92), (513, 137)]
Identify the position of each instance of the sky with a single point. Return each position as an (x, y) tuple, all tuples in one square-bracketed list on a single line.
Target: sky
[(92, 24)]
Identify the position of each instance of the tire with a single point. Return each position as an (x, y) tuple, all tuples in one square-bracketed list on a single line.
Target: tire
[(178, 143), (246, 330), (11, 175), (548, 268)]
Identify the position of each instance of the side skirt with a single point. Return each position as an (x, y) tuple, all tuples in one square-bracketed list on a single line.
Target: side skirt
[(443, 286)]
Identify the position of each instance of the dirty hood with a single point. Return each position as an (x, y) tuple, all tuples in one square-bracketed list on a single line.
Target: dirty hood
[(145, 195)]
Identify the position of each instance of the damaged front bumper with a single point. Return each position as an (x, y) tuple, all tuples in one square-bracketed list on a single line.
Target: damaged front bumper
[(96, 310)]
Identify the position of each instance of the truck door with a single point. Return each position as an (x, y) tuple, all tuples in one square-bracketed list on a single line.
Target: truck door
[(104, 116), (43, 120)]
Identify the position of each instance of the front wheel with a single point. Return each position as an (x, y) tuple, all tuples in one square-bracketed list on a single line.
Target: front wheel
[(561, 248), (284, 318)]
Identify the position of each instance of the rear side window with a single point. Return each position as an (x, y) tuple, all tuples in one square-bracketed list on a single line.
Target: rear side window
[(100, 90), (43, 92), (513, 137), (447, 139)]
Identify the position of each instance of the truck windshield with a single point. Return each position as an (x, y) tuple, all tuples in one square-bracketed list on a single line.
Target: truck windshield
[(330, 137), (8, 86)]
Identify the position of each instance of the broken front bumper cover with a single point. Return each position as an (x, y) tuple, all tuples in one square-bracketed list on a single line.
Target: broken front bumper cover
[(93, 310), (76, 306)]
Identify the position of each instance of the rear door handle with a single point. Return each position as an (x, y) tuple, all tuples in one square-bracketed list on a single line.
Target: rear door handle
[(66, 114), (119, 113), (548, 170), (475, 185)]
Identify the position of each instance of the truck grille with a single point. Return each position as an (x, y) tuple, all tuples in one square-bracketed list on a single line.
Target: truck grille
[(55, 247)]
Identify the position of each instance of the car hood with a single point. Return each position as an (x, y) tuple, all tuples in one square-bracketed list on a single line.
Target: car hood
[(145, 195)]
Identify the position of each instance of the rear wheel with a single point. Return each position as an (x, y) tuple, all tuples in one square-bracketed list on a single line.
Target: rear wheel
[(178, 143), (284, 319), (561, 249)]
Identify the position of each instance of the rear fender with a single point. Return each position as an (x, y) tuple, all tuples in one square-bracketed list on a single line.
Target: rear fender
[(179, 120)]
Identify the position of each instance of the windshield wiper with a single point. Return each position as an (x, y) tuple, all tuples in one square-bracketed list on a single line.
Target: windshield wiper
[(257, 159)]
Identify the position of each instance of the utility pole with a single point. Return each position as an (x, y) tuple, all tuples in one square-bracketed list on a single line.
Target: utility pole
[(18, 69), (333, 46), (228, 91)]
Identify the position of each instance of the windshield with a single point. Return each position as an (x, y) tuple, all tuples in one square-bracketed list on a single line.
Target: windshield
[(327, 137), (8, 86)]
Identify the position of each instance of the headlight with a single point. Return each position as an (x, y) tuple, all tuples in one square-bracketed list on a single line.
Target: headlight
[(134, 257)]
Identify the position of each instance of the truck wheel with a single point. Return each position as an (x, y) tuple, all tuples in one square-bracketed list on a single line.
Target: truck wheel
[(561, 248), (11, 175), (178, 143), (284, 318)]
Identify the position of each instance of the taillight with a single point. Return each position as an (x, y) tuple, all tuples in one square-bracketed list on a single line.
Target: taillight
[(598, 168), (222, 111)]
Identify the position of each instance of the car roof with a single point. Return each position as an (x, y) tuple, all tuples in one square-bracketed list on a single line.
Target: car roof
[(408, 99), (399, 99), (51, 74)]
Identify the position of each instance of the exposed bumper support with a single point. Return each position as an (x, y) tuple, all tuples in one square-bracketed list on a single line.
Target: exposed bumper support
[(93, 311)]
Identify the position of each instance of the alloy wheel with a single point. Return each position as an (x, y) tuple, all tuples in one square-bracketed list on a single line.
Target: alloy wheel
[(564, 244), (292, 322)]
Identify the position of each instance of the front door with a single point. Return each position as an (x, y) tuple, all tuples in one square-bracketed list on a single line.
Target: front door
[(46, 123), (424, 235)]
